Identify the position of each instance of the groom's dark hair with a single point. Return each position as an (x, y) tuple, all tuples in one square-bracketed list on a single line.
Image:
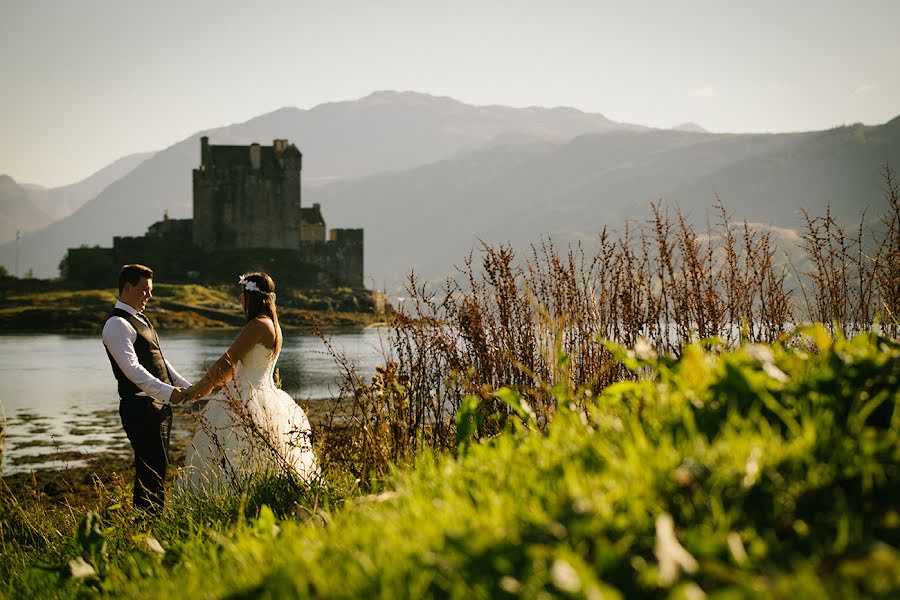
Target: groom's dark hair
[(132, 274)]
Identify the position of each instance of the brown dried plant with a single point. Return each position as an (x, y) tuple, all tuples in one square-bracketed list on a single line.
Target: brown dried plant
[(243, 450), (530, 323)]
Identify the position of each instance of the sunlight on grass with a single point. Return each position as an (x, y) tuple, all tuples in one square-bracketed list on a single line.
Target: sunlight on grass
[(770, 470)]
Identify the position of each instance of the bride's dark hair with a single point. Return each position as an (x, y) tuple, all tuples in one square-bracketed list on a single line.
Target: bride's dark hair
[(260, 301)]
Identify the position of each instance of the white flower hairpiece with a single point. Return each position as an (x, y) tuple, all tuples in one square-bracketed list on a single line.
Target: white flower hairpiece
[(251, 286)]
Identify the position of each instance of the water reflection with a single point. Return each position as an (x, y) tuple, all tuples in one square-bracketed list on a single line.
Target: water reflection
[(59, 395)]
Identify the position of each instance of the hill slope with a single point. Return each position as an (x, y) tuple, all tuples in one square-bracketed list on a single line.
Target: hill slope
[(514, 186), (384, 131), (17, 211), (62, 201), (429, 218)]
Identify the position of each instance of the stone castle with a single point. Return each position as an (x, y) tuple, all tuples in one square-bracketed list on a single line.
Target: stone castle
[(247, 216)]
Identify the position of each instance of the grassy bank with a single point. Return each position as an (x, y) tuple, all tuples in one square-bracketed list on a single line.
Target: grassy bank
[(767, 471), (504, 451), (45, 307)]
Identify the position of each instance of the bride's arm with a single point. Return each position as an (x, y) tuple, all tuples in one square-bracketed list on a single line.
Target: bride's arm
[(223, 369)]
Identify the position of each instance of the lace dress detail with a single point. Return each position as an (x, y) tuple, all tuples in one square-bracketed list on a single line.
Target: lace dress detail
[(249, 427)]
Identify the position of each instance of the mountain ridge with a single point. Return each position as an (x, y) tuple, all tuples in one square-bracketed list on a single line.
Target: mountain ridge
[(17, 211), (393, 170), (340, 140)]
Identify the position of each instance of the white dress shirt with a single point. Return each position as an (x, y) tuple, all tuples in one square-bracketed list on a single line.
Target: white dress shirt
[(119, 337)]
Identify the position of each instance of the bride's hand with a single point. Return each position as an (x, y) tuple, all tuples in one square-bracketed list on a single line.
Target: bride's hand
[(190, 394)]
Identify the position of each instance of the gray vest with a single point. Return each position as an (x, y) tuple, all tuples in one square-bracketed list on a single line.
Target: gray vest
[(149, 355)]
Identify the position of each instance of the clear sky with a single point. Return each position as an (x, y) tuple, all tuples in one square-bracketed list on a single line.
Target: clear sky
[(85, 82)]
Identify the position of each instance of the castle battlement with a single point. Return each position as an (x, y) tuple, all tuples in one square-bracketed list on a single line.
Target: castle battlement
[(247, 216), (247, 196)]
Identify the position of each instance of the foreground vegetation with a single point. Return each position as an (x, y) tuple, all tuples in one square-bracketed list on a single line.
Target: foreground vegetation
[(503, 450), (662, 282), (770, 470)]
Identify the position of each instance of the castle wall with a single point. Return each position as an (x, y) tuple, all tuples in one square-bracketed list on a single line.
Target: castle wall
[(205, 216), (312, 225), (168, 250), (89, 266), (312, 232), (174, 259), (247, 217), (249, 202), (340, 259)]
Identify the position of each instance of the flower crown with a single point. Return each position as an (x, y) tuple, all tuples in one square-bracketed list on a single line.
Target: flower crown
[(251, 286)]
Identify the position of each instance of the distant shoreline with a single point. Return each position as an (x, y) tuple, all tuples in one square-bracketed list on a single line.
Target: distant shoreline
[(44, 320), (49, 307)]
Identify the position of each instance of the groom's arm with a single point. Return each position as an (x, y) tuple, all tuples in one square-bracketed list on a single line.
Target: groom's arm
[(118, 337), (176, 377)]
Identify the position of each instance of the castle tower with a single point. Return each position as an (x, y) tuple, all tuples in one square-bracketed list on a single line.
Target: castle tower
[(247, 196)]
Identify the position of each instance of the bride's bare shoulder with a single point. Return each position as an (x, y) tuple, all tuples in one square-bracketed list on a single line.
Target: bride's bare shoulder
[(259, 328), (265, 327)]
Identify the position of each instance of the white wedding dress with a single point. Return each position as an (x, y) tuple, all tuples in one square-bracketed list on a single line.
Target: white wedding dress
[(249, 427)]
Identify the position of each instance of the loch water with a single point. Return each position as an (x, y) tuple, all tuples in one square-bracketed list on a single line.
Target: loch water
[(58, 394)]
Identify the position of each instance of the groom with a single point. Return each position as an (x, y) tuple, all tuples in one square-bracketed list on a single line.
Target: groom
[(146, 384)]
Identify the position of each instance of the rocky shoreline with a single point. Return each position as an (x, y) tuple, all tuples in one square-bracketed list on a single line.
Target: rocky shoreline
[(78, 482)]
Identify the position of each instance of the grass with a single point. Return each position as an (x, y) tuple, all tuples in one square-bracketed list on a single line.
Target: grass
[(661, 283), (104, 298), (702, 449), (182, 306), (769, 471)]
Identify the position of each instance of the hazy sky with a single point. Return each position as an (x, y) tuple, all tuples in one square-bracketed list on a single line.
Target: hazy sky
[(85, 82)]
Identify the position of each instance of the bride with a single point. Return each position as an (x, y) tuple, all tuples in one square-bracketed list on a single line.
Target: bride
[(250, 427)]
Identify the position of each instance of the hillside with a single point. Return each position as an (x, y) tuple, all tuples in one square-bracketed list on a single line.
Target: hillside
[(497, 174), (18, 212), (430, 218), (381, 132), (760, 472), (62, 201)]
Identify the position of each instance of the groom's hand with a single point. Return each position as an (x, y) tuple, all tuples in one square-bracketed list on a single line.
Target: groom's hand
[(177, 396)]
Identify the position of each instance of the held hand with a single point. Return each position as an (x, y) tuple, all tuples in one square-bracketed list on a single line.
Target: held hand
[(188, 400), (191, 393), (177, 396)]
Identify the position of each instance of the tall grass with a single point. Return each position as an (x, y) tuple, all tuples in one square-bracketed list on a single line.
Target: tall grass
[(241, 435), (2, 435), (509, 320), (759, 472), (854, 277)]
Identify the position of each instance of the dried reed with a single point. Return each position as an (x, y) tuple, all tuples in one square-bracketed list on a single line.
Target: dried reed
[(243, 442), (537, 323)]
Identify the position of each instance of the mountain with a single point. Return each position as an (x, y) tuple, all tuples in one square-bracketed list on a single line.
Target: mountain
[(428, 177), (691, 127), (62, 201), (430, 218), (389, 131), (17, 211), (27, 207), (384, 131), (838, 169)]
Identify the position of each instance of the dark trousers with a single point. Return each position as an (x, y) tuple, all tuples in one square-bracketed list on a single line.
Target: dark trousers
[(147, 424)]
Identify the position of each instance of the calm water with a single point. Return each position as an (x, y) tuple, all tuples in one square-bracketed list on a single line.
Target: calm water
[(59, 395)]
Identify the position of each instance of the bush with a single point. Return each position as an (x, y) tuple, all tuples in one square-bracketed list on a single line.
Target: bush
[(768, 471)]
